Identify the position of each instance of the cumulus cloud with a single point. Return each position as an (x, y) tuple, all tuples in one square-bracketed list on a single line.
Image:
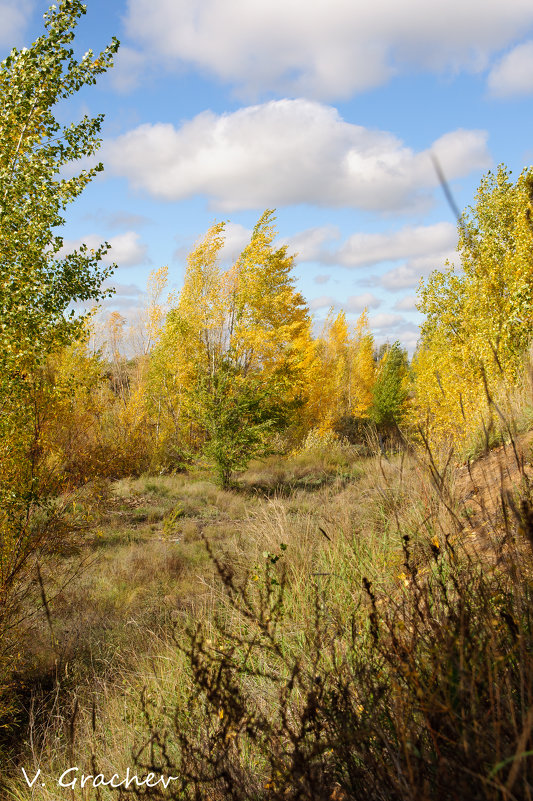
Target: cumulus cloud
[(355, 303), (408, 275), (365, 249), (425, 248), (285, 152), (407, 303), (513, 74), (13, 21), (126, 250), (323, 302), (325, 49), (385, 320), (236, 238), (310, 245)]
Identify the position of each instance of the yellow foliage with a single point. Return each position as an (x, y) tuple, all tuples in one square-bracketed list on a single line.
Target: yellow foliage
[(344, 372), (478, 317), (251, 313), (363, 371), (157, 283)]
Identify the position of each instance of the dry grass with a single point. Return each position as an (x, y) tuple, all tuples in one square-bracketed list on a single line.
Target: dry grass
[(307, 528)]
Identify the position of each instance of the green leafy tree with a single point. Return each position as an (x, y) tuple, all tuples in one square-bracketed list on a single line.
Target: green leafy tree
[(390, 389), (238, 413), (37, 285)]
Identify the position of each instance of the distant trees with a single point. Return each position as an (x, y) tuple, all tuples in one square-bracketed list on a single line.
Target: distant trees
[(343, 374), (391, 388), (235, 362), (248, 322)]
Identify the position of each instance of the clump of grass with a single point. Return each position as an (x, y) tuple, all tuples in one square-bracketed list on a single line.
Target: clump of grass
[(309, 470)]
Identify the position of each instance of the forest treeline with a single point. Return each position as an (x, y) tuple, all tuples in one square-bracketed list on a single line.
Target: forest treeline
[(228, 368)]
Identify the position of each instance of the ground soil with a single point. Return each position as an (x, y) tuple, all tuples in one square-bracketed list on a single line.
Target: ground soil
[(488, 489)]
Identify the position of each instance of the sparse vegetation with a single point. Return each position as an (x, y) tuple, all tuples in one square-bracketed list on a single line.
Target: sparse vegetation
[(361, 639)]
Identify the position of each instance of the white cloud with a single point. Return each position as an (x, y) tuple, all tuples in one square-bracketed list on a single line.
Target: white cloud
[(407, 303), (513, 74), (323, 302), (126, 250), (365, 249), (322, 279), (385, 320), (285, 152), (308, 245), (407, 276), (426, 248), (236, 238), (404, 277), (13, 21), (328, 48), (355, 303)]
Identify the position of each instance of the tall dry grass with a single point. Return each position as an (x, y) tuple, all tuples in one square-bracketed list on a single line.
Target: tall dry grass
[(363, 634)]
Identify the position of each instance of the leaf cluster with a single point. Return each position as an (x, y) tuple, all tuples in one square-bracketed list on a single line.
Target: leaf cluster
[(37, 284)]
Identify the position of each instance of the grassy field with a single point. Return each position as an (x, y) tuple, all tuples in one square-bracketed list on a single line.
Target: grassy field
[(269, 635)]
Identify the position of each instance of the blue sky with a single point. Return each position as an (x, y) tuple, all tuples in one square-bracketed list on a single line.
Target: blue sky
[(326, 111)]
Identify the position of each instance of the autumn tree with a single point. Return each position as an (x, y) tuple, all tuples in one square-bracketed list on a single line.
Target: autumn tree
[(479, 314), (362, 373), (37, 284), (332, 387), (269, 323), (247, 322), (341, 381), (189, 346)]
